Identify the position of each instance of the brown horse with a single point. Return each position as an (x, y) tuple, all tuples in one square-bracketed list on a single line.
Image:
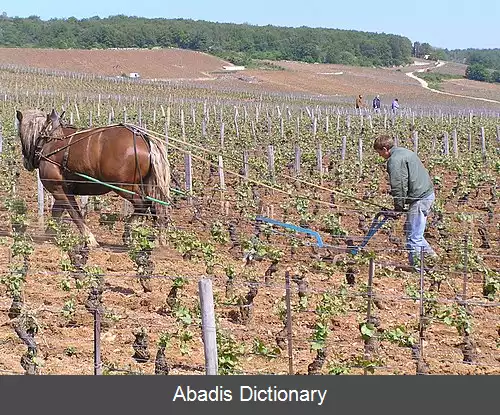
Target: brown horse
[(119, 155)]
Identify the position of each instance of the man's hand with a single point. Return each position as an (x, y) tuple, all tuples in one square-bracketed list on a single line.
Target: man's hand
[(392, 214)]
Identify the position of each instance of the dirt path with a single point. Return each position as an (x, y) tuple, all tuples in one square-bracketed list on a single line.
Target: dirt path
[(426, 85)]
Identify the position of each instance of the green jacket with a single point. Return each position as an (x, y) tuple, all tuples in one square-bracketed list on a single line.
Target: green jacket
[(409, 179)]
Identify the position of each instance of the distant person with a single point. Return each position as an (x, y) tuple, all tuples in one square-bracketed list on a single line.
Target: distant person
[(376, 103), (359, 102), (395, 106)]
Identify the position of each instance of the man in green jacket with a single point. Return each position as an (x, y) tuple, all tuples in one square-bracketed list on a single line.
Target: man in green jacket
[(411, 186)]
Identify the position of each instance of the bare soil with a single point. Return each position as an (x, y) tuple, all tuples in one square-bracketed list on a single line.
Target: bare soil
[(297, 77)]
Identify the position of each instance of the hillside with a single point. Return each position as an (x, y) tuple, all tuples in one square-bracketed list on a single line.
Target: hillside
[(160, 63)]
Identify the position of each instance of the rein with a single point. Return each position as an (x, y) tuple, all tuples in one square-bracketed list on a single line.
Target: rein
[(70, 140)]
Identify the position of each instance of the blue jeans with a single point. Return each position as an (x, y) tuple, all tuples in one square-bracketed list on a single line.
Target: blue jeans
[(416, 219)]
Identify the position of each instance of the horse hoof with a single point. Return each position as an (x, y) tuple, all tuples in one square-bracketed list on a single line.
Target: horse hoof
[(91, 242)]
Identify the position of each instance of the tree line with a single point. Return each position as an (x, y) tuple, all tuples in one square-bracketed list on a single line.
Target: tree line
[(238, 43)]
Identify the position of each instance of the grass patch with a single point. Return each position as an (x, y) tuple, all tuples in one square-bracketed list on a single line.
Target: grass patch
[(435, 80)]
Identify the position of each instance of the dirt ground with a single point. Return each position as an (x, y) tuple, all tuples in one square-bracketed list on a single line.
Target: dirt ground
[(68, 348), (339, 81)]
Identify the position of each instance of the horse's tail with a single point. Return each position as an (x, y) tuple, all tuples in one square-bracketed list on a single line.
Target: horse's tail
[(159, 177)]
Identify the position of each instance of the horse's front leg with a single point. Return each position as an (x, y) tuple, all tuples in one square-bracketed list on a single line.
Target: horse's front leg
[(58, 208), (76, 215)]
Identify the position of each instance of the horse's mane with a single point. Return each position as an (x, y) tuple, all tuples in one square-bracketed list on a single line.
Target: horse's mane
[(29, 130)]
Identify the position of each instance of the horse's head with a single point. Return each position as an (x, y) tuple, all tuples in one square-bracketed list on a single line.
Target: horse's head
[(30, 124), (53, 127)]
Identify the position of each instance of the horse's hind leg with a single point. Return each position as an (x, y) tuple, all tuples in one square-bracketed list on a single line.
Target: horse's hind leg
[(140, 210)]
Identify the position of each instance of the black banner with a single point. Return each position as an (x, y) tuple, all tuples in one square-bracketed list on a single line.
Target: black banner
[(246, 394)]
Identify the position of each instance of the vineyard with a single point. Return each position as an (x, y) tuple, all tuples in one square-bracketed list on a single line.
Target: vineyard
[(283, 302)]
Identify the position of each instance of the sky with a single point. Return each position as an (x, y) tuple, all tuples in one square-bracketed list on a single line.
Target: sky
[(457, 24)]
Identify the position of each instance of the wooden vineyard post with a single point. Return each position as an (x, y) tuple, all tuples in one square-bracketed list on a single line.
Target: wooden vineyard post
[(483, 144), (189, 176), (183, 126), (208, 326), (455, 143), (236, 122), (168, 118), (415, 142), (203, 127), (369, 294), (446, 143), (270, 162), (344, 148), (97, 342), (222, 180), (296, 163), (360, 155), (222, 135), (245, 165), (289, 322), (319, 159), (77, 112)]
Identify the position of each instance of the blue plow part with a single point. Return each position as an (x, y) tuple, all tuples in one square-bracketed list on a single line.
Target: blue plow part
[(319, 241), (374, 227)]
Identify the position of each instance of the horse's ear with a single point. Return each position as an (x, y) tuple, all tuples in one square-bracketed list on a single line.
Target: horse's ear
[(19, 116), (53, 115)]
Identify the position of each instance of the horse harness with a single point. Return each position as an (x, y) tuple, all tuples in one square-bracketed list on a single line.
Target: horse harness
[(41, 140)]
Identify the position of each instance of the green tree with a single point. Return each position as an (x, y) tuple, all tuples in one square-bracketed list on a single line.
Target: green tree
[(477, 72)]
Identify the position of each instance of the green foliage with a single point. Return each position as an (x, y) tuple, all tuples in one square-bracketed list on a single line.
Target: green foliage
[(491, 284), (70, 351), (369, 364), (142, 240), (261, 349), (65, 236), (237, 43), (333, 224), (229, 353), (398, 335), (69, 309), (164, 340), (14, 280), (320, 335), (435, 79), (108, 219), (456, 316), (22, 246), (219, 233), (338, 368), (477, 72), (367, 330)]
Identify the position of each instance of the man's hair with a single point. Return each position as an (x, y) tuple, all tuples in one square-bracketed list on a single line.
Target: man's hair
[(383, 141)]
